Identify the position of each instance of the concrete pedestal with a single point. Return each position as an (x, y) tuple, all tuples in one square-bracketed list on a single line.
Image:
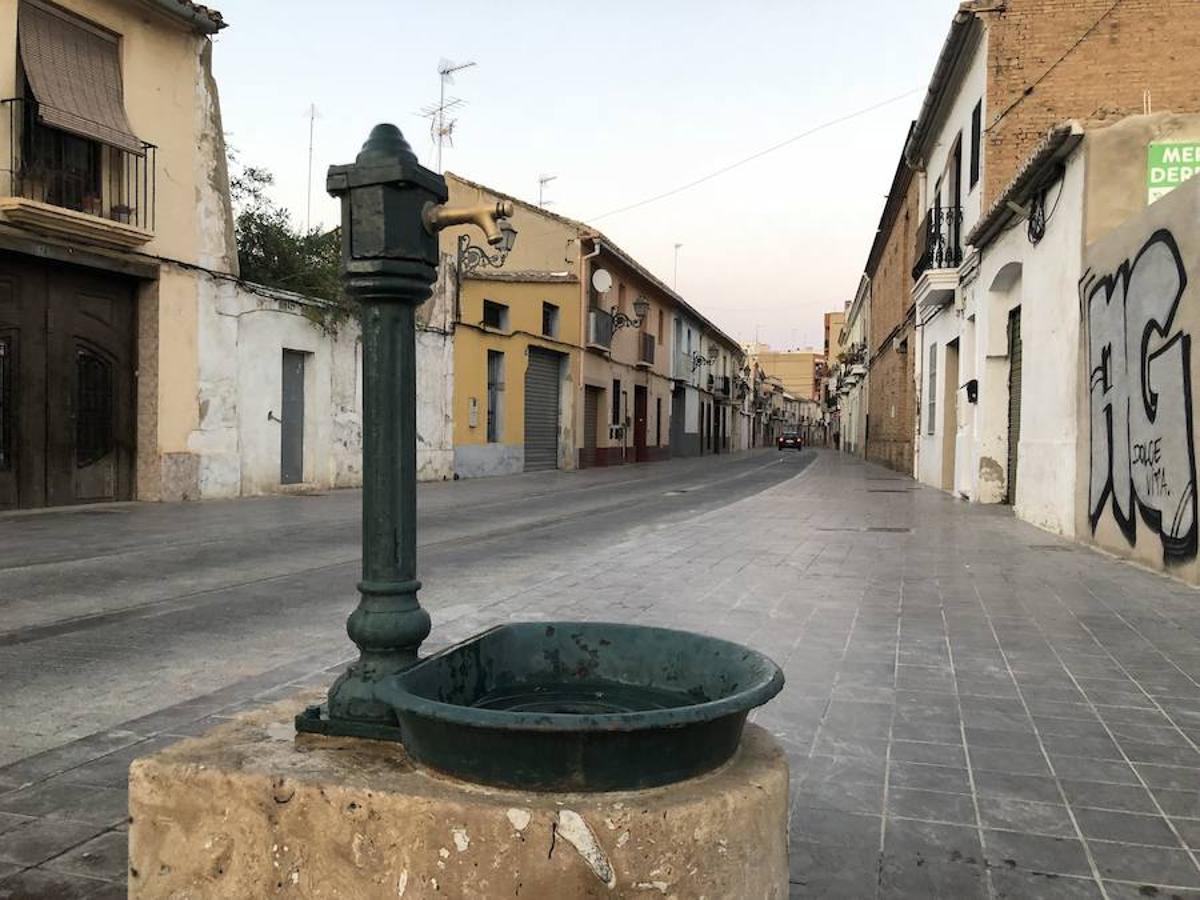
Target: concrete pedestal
[(252, 810)]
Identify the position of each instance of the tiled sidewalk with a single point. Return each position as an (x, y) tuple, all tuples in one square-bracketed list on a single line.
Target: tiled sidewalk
[(974, 708)]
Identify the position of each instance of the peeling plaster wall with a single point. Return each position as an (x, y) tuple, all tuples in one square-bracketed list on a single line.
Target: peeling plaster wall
[(234, 448)]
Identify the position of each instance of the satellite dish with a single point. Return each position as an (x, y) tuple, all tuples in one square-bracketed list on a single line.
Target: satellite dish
[(602, 281)]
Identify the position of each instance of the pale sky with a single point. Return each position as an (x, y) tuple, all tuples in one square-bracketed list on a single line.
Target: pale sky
[(621, 101)]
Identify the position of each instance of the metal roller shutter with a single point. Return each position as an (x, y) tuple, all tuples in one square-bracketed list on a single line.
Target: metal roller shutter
[(541, 410)]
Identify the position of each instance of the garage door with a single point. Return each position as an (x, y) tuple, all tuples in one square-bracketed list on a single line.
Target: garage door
[(541, 410), (66, 384)]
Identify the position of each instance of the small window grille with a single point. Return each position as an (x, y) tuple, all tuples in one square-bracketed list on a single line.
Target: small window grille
[(93, 407)]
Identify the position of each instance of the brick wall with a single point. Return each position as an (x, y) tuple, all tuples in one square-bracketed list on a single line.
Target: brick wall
[(1141, 44), (890, 402)]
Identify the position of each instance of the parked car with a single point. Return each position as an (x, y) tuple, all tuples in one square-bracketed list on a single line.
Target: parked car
[(790, 440)]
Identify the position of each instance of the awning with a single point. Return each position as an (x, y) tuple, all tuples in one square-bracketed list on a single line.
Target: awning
[(74, 71)]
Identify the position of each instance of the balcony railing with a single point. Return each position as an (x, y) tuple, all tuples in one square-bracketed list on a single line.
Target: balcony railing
[(939, 240), (722, 386), (60, 169), (646, 349), (600, 328)]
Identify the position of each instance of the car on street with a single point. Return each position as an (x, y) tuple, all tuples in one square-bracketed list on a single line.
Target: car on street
[(790, 440)]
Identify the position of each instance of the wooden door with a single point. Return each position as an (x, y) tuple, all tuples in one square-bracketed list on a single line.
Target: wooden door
[(640, 413), (67, 348)]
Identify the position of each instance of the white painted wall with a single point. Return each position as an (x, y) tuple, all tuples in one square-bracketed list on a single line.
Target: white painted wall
[(956, 118), (242, 333), (1047, 291), (940, 330)]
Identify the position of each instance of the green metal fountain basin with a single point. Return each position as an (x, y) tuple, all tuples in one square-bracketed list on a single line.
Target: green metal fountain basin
[(579, 706)]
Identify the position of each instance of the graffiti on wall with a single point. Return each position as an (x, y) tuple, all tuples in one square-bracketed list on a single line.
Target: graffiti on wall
[(1140, 398)]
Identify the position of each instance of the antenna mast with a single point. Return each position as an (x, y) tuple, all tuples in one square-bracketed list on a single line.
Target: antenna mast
[(440, 129), (312, 121), (544, 180)]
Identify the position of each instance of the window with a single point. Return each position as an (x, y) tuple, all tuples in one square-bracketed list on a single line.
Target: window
[(93, 407), (616, 401), (77, 148), (976, 134), (929, 428), (550, 320), (495, 396), (495, 315), (6, 410), (658, 421), (661, 328)]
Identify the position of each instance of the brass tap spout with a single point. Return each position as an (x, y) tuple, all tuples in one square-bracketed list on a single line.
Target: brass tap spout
[(484, 216)]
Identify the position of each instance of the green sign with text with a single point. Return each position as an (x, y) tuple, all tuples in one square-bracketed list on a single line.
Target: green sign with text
[(1168, 165)]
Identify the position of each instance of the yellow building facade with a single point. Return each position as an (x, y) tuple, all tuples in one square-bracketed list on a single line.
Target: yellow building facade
[(516, 365), (621, 381), (102, 99)]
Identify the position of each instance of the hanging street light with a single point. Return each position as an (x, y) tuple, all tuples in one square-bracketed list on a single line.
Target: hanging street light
[(472, 256), (641, 306)]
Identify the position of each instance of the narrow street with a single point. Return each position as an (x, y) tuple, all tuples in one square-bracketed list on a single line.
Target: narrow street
[(974, 708), (118, 611)]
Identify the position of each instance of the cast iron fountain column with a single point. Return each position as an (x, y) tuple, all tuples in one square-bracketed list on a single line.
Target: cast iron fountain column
[(390, 263)]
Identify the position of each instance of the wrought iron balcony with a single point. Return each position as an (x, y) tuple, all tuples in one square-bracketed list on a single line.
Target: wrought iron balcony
[(60, 169), (600, 329), (646, 349), (939, 240), (722, 386)]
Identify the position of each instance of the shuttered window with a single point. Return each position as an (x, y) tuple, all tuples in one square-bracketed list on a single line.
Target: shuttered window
[(976, 138), (931, 427), (74, 72)]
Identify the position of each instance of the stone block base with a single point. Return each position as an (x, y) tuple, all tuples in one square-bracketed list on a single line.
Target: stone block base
[(252, 810)]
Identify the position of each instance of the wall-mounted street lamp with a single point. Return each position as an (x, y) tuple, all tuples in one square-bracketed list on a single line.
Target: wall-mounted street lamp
[(641, 306), (698, 360), (502, 237)]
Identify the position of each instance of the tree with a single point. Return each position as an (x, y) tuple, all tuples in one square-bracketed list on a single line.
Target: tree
[(275, 253)]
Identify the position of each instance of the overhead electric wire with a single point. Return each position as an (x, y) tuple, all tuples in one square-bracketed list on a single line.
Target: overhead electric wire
[(1029, 88), (758, 155)]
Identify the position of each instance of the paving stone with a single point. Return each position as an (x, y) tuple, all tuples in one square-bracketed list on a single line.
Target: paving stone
[(1145, 865), (1083, 768), (59, 799), (828, 871), (1173, 778), (1035, 853), (928, 753), (1101, 795), (1010, 814), (1019, 787), (41, 839), (104, 856), (1016, 884), (829, 826), (920, 776), (39, 884), (1129, 828), (934, 806)]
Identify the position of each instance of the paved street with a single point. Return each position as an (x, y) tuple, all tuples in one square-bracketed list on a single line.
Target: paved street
[(974, 708)]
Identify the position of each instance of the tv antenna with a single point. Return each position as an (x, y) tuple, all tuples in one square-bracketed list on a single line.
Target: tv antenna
[(441, 129), (313, 115), (544, 180)]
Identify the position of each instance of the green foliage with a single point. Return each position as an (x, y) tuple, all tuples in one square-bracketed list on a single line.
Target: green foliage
[(275, 253)]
